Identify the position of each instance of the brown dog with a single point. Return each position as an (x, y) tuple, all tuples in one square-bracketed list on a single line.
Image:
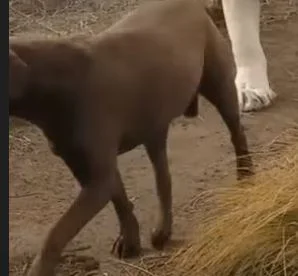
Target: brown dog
[(99, 97)]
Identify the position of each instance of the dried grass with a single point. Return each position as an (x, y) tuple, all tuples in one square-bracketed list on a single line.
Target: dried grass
[(256, 235), (278, 10), (63, 17), (76, 17)]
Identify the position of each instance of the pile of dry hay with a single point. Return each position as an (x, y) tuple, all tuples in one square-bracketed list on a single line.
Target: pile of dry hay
[(252, 230)]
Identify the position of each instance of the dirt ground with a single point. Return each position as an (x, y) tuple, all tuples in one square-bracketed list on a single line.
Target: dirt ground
[(200, 153)]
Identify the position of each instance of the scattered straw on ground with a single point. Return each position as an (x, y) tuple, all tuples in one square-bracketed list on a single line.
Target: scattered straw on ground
[(35, 17)]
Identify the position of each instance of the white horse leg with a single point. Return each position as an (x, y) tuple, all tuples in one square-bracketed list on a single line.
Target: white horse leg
[(243, 23)]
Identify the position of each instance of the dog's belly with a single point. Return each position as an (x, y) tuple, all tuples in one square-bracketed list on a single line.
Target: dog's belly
[(126, 146), (130, 141), (139, 135)]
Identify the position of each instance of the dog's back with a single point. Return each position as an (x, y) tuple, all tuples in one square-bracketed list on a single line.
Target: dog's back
[(144, 70), (157, 51)]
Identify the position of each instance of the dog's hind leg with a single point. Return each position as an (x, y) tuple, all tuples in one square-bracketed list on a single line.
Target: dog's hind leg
[(217, 85)]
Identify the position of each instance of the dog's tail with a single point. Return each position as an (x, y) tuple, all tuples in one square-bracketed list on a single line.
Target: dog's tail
[(192, 109)]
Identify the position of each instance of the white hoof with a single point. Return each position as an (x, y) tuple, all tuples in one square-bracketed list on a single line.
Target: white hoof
[(253, 99)]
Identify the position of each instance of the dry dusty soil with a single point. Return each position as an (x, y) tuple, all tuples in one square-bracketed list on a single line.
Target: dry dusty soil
[(200, 153)]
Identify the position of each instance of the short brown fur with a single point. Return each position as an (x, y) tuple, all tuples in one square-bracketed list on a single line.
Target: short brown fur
[(99, 97)]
